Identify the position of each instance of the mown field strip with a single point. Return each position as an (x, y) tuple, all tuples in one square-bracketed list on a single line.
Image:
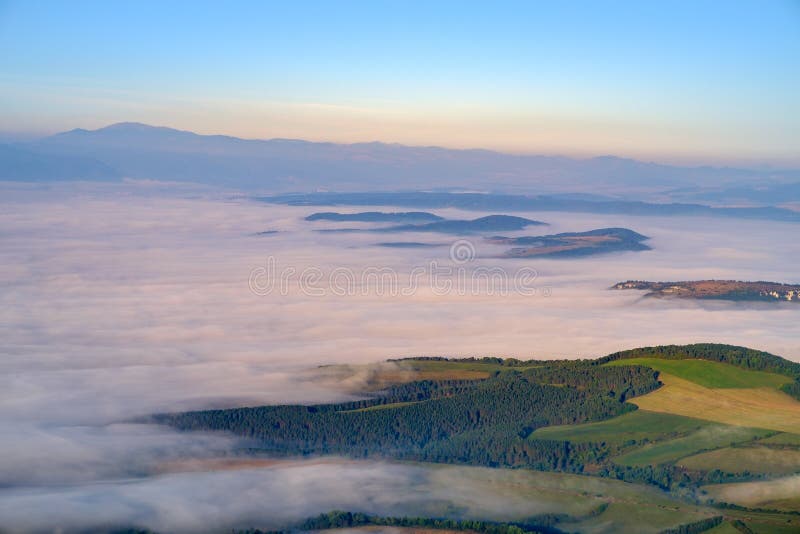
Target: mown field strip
[(765, 408)]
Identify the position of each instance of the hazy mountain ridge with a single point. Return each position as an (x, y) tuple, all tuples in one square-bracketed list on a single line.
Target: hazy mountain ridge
[(375, 216), (511, 202), (21, 164), (141, 151)]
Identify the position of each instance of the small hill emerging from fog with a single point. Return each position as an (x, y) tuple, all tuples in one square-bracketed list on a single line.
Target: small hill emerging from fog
[(490, 223), (717, 289), (376, 216), (573, 244)]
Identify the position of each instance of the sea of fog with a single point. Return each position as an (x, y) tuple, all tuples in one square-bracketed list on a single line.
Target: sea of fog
[(121, 301)]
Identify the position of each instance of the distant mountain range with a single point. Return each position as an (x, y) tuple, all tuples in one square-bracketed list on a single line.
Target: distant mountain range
[(376, 216), (490, 223), (135, 150), (506, 202)]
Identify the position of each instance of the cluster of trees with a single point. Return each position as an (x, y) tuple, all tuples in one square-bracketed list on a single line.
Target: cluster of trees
[(695, 527), (484, 422), (340, 519), (792, 388), (544, 524), (493, 360), (409, 392), (618, 382)]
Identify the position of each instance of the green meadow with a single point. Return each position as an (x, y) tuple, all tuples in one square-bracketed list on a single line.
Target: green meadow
[(710, 374), (633, 426), (707, 438)]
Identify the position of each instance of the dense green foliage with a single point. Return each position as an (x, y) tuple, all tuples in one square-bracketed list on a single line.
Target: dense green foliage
[(489, 360), (695, 527), (340, 519), (482, 422), (756, 360), (793, 388)]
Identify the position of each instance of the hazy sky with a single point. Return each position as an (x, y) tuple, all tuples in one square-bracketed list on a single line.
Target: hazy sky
[(713, 81)]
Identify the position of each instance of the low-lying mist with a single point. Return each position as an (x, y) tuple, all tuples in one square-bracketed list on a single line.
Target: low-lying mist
[(118, 302)]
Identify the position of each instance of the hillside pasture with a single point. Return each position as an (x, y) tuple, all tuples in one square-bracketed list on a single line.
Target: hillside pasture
[(710, 374), (633, 426), (762, 407), (706, 438), (760, 460), (780, 494)]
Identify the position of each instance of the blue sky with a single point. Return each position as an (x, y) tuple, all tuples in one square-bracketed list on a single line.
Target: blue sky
[(702, 81)]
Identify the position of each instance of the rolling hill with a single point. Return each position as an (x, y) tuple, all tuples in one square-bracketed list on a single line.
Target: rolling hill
[(698, 422)]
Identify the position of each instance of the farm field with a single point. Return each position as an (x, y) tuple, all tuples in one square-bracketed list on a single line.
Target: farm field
[(761, 460), (519, 493), (763, 407), (631, 426), (709, 437)]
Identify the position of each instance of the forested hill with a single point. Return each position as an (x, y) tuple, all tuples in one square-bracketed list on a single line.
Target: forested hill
[(482, 422), (557, 415)]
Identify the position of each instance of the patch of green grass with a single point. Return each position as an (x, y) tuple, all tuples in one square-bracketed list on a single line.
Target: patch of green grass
[(707, 438), (456, 365), (632, 426), (784, 438), (381, 407), (774, 528), (760, 460), (637, 518), (710, 374)]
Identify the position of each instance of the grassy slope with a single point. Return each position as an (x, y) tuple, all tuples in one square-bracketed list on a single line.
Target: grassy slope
[(696, 397), (779, 494), (720, 392), (750, 407), (517, 493), (709, 437), (753, 459), (710, 374), (784, 439), (636, 426)]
